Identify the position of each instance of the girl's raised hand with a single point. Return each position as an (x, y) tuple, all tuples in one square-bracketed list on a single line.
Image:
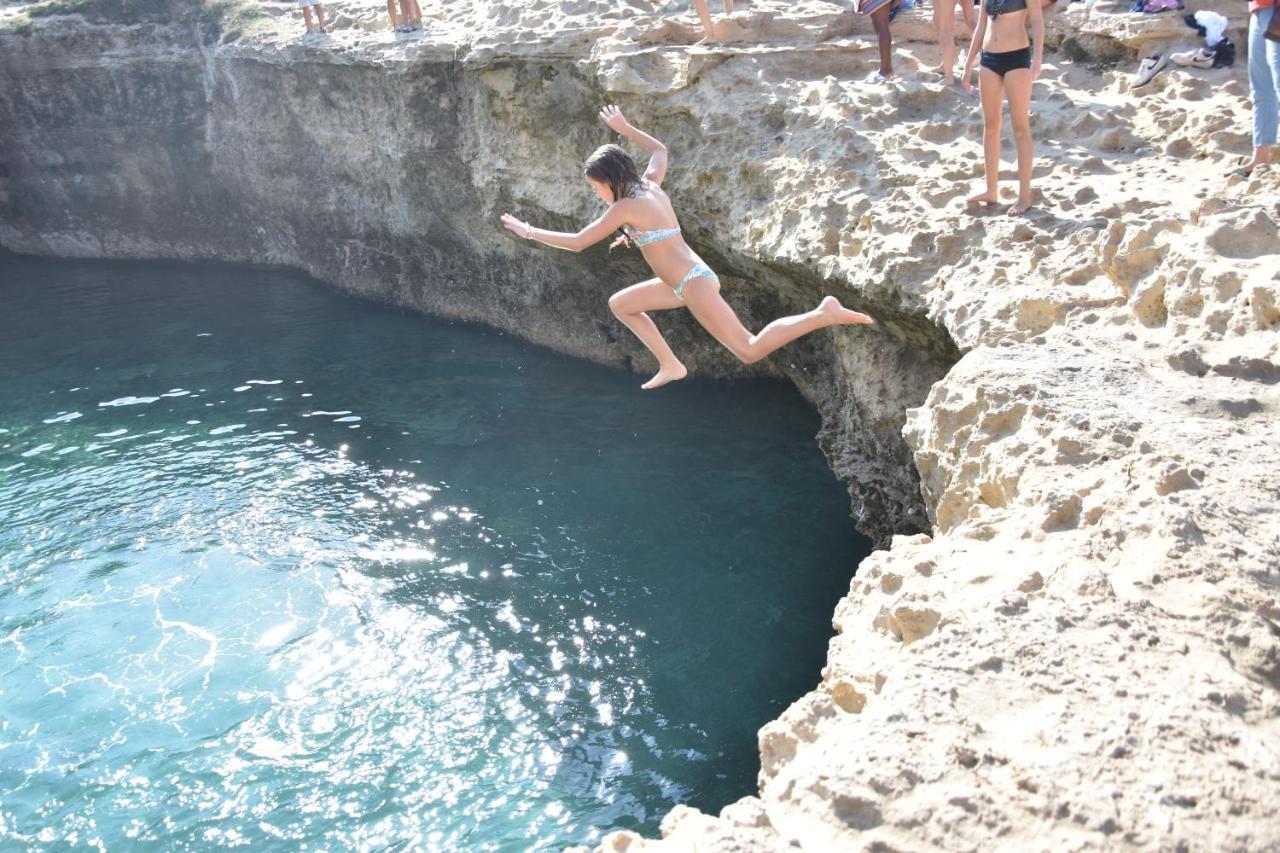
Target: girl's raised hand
[(613, 117), (515, 225)]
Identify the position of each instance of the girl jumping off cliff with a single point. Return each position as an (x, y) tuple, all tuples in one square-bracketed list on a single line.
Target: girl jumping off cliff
[(641, 210)]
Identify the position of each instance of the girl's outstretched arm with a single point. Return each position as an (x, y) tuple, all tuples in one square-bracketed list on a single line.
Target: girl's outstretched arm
[(608, 222), (657, 169)]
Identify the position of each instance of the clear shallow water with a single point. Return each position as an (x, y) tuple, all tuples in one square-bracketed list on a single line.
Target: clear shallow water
[(281, 567)]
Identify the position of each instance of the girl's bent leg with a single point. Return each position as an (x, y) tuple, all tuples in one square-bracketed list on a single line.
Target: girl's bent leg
[(991, 90), (629, 305), (1017, 87), (717, 317)]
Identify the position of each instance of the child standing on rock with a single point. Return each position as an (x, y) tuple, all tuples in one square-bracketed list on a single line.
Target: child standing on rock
[(306, 5), (882, 13), (704, 14), (1010, 63)]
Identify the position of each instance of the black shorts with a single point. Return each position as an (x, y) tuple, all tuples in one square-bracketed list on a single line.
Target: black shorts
[(1003, 63)]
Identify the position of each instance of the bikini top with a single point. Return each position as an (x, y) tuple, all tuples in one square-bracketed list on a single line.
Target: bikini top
[(641, 238), (998, 7)]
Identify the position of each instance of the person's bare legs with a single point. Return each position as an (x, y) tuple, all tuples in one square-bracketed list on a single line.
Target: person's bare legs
[(1017, 87), (629, 305), (391, 13), (880, 20), (991, 91), (320, 13), (306, 17), (717, 317), (410, 14), (944, 24), (707, 24)]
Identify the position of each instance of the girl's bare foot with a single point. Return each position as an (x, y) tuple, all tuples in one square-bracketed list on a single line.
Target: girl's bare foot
[(843, 316), (1021, 206), (665, 375), (987, 197)]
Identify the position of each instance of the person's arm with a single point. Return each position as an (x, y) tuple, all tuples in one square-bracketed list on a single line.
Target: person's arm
[(608, 222), (966, 9), (975, 48), (657, 169), (1036, 10)]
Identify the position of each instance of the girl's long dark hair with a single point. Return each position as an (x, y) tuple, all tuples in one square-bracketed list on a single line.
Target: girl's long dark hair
[(613, 166)]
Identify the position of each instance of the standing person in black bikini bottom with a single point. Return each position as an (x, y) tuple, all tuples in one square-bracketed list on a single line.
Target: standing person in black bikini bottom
[(1010, 64), (1006, 61)]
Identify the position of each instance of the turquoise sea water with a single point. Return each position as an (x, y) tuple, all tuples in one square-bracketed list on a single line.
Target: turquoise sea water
[(283, 568)]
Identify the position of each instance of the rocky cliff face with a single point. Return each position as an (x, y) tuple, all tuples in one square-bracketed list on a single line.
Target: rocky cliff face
[(384, 171), (1075, 642)]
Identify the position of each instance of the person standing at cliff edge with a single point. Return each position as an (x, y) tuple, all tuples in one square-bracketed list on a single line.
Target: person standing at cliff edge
[(1010, 64), (306, 5), (641, 210), (1264, 81), (410, 16), (704, 14)]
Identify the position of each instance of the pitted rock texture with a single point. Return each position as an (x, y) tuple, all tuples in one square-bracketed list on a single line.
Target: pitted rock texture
[(1080, 648)]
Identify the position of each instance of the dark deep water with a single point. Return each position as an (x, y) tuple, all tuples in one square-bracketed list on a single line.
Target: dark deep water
[(279, 566)]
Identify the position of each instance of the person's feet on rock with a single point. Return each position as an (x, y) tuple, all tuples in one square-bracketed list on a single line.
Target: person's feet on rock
[(984, 198), (1246, 168), (1021, 206), (665, 375)]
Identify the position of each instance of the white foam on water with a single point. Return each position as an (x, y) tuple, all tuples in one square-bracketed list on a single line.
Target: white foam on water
[(63, 417), (129, 401), (225, 429)]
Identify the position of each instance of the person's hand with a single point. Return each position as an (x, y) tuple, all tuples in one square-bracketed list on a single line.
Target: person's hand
[(622, 240), (613, 117), (966, 80), (1035, 69), (516, 226)]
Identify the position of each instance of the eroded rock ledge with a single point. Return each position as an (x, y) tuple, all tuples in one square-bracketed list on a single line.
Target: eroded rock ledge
[(1080, 647)]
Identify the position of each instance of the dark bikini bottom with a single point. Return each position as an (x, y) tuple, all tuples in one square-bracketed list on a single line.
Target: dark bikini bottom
[(1003, 63)]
